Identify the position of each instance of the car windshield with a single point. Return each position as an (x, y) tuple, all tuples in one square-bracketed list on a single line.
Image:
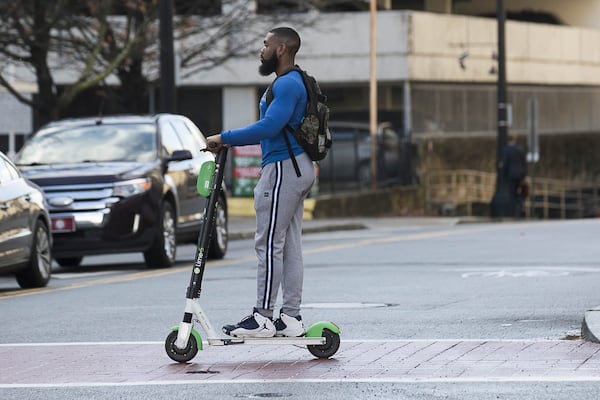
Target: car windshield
[(90, 143)]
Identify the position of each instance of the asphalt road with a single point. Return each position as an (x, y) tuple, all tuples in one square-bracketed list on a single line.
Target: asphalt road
[(427, 309)]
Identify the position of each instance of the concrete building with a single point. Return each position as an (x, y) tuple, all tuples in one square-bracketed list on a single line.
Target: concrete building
[(435, 68), (439, 67)]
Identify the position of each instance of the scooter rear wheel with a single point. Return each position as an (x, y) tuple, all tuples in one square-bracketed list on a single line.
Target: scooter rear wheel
[(177, 354), (331, 346)]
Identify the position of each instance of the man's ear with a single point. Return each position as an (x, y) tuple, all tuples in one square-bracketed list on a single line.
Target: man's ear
[(281, 49)]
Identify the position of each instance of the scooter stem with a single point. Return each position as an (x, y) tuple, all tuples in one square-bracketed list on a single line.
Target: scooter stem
[(208, 221)]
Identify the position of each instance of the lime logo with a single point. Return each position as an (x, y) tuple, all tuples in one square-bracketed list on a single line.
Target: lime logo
[(196, 270), (199, 257)]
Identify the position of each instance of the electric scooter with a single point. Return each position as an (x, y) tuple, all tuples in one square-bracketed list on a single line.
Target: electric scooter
[(322, 338)]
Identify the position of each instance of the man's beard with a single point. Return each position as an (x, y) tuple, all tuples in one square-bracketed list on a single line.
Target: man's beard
[(268, 65)]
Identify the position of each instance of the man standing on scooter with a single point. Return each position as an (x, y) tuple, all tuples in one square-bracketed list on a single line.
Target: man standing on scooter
[(279, 194)]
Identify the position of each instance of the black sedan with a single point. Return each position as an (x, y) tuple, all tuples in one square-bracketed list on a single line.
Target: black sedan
[(122, 184), (25, 239)]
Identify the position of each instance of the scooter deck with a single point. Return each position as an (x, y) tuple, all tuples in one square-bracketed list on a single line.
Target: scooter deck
[(300, 341)]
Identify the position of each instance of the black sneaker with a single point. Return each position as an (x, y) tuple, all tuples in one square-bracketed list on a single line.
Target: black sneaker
[(254, 325), (289, 326)]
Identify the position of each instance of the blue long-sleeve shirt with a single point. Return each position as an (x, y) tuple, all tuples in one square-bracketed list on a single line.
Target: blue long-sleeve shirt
[(287, 108)]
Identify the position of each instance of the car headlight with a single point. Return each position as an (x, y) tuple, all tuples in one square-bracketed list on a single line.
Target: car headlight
[(37, 197), (131, 187)]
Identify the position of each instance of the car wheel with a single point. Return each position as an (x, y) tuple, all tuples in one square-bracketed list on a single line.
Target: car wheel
[(69, 261), (163, 250), (219, 235), (39, 269)]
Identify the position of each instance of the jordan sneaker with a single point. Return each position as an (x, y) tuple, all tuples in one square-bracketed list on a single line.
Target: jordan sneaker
[(254, 325), (289, 326)]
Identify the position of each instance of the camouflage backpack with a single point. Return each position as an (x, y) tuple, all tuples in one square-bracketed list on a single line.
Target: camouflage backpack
[(313, 133)]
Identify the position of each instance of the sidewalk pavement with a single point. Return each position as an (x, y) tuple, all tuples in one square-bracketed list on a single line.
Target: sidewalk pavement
[(102, 364), (243, 227)]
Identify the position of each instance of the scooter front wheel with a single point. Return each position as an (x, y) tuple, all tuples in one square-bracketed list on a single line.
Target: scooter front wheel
[(181, 355), (331, 346)]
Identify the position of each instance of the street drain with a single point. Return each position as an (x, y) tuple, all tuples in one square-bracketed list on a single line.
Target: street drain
[(347, 305)]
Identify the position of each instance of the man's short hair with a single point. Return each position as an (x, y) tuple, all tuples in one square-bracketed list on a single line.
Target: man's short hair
[(289, 36)]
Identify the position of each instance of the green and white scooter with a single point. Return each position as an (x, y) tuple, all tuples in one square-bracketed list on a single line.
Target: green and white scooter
[(322, 338)]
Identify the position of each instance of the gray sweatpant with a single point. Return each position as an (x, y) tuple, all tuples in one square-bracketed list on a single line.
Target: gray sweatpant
[(279, 204)]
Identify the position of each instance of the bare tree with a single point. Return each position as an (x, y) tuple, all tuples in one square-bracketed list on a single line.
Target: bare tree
[(207, 42), (67, 47), (40, 39)]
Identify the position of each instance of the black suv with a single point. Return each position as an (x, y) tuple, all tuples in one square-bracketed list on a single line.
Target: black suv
[(122, 184)]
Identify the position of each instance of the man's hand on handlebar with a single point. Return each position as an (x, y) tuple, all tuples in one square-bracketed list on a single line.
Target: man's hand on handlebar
[(214, 143)]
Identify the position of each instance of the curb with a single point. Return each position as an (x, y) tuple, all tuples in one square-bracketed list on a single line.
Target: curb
[(333, 227), (590, 327)]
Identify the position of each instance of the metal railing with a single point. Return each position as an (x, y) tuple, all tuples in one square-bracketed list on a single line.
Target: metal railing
[(447, 191), (552, 198), (461, 191)]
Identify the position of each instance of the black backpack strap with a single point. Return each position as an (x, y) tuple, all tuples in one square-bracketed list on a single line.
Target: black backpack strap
[(269, 94), (289, 146), (270, 87)]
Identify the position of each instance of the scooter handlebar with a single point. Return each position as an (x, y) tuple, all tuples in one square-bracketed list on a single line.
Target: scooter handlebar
[(213, 145)]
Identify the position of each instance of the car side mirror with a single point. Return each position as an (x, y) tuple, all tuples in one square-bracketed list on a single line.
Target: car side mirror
[(180, 155)]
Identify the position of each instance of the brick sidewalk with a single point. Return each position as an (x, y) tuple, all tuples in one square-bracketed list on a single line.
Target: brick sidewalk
[(393, 361)]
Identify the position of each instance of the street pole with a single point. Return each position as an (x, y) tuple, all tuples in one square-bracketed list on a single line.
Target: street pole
[(373, 95), (533, 154), (167, 63), (501, 202)]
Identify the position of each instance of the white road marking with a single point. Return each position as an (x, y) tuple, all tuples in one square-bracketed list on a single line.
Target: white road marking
[(132, 343), (344, 305), (526, 272), (512, 379)]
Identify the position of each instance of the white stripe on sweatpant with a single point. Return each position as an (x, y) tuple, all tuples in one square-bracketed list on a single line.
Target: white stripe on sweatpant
[(272, 226)]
